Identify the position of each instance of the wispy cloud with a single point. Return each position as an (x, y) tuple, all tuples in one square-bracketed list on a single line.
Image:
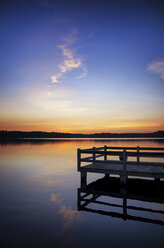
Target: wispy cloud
[(70, 216), (157, 67), (84, 72), (71, 60), (55, 198)]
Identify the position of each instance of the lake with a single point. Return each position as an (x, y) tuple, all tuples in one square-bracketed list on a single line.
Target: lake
[(39, 193)]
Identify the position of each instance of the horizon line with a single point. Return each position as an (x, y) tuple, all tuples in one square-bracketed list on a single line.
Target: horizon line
[(82, 133)]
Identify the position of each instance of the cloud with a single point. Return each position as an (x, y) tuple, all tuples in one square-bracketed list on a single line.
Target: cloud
[(83, 74), (157, 67), (69, 215), (55, 78), (71, 61), (55, 198), (71, 38)]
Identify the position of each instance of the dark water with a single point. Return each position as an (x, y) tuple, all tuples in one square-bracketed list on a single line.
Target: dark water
[(38, 194)]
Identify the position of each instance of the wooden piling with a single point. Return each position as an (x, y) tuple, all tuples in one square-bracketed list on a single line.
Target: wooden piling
[(83, 178), (78, 159), (138, 157), (94, 155), (105, 155), (124, 176)]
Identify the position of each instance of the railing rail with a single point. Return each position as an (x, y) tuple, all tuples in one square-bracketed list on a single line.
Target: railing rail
[(129, 154), (127, 148), (135, 148)]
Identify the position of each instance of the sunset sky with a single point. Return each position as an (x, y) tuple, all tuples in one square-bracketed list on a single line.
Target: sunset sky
[(82, 66)]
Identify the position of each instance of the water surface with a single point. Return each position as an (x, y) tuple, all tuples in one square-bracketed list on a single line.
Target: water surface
[(38, 191)]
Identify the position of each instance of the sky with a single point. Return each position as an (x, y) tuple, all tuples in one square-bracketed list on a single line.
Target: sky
[(82, 66)]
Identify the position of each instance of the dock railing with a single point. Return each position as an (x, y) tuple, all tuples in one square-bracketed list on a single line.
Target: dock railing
[(122, 152)]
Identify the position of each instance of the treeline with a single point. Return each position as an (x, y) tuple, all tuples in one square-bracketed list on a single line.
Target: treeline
[(37, 134)]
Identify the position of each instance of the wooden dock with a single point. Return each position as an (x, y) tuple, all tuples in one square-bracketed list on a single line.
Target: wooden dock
[(122, 161)]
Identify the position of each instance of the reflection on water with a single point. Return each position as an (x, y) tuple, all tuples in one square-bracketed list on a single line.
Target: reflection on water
[(142, 190), (38, 192)]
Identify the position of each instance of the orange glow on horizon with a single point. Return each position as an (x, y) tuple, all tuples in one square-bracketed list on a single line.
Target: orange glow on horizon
[(123, 127)]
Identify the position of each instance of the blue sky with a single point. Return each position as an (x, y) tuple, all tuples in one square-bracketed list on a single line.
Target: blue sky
[(82, 66)]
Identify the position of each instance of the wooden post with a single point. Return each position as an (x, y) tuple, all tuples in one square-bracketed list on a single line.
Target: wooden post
[(123, 190), (105, 155), (106, 176), (124, 176), (94, 155), (83, 179), (138, 157), (78, 159), (78, 200), (124, 208)]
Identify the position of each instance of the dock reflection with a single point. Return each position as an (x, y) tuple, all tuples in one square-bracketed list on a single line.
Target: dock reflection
[(144, 192)]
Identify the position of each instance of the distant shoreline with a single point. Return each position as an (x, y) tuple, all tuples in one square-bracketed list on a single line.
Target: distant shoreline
[(56, 135)]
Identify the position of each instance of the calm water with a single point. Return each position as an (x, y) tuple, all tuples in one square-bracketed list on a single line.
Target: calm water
[(38, 194)]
